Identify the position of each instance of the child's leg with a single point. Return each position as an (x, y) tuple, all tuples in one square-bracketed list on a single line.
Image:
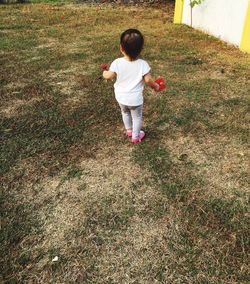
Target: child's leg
[(136, 113), (126, 117)]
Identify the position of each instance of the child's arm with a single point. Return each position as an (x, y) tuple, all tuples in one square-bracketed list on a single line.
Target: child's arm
[(108, 75), (150, 82)]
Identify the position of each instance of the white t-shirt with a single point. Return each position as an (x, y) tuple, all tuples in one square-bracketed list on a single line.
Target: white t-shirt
[(129, 83)]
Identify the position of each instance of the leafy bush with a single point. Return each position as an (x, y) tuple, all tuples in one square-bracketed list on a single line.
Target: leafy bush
[(12, 1), (195, 2)]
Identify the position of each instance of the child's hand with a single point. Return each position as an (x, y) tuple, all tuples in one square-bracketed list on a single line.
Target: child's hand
[(104, 67), (161, 84), (107, 74)]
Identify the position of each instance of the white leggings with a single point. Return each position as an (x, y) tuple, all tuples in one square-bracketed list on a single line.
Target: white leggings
[(132, 118)]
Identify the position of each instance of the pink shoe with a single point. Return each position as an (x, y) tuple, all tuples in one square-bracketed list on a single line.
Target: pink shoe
[(129, 133), (137, 140)]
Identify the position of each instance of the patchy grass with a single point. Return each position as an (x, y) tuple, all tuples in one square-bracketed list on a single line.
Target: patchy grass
[(173, 209)]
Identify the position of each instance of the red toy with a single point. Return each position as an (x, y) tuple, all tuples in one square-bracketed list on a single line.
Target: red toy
[(161, 83), (104, 67)]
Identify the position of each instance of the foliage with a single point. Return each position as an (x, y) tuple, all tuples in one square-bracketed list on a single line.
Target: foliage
[(195, 2), (12, 1)]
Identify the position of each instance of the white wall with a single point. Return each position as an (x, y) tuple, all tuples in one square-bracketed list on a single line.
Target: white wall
[(222, 18)]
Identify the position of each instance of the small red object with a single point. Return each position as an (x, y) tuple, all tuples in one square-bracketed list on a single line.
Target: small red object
[(161, 83), (62, 17), (104, 66)]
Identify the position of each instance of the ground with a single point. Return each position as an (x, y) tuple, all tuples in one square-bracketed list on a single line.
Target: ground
[(172, 209)]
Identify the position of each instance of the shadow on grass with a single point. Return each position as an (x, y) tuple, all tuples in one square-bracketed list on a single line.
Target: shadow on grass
[(18, 220), (52, 136), (49, 128), (214, 231)]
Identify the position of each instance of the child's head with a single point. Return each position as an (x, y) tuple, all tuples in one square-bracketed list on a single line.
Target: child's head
[(132, 43)]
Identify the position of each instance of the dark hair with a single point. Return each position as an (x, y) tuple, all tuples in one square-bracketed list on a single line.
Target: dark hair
[(132, 43)]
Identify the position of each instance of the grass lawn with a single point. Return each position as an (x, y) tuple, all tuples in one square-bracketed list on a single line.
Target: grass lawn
[(172, 209)]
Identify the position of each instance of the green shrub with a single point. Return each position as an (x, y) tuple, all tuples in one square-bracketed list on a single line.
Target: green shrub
[(12, 1)]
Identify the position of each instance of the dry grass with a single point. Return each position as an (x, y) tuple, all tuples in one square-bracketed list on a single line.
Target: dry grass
[(173, 209)]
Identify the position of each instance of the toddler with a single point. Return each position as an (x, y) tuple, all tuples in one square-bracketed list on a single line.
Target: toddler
[(131, 73)]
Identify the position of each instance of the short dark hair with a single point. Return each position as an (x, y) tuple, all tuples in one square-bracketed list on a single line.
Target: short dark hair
[(132, 43)]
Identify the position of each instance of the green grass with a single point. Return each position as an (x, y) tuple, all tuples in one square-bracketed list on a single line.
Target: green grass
[(172, 209)]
